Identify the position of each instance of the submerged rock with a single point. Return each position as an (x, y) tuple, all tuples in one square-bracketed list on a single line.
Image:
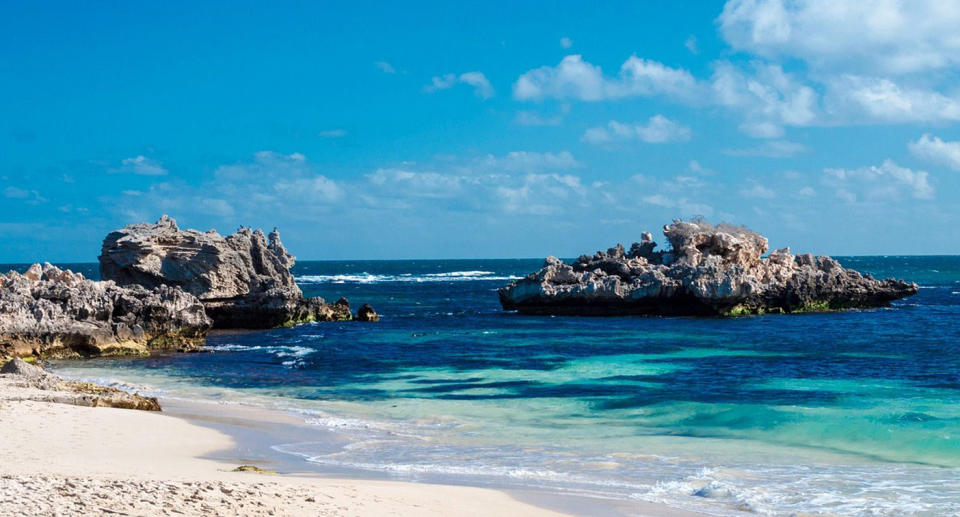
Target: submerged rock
[(49, 312), (243, 280), (709, 270)]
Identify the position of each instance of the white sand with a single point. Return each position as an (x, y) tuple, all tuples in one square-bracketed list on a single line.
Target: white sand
[(61, 459), (58, 459)]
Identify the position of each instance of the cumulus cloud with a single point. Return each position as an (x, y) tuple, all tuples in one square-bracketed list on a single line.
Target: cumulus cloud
[(574, 78), (891, 37), (853, 97), (566, 42), (886, 182), (481, 85), (657, 130), (764, 95), (141, 165), (935, 150), (767, 98)]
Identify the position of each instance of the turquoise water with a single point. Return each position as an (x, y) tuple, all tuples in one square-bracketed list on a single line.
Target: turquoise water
[(852, 413)]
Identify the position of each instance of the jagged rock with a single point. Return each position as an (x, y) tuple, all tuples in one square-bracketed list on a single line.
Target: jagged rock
[(39, 385), (243, 280), (366, 313), (709, 270), (49, 312)]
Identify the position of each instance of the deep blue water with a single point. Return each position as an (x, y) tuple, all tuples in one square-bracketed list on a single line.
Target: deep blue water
[(849, 413)]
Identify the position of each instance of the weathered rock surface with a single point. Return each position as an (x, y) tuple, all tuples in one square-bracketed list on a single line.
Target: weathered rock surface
[(710, 270), (49, 312), (243, 280), (366, 313), (20, 380)]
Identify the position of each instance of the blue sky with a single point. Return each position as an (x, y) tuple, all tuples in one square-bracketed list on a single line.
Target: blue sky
[(446, 130)]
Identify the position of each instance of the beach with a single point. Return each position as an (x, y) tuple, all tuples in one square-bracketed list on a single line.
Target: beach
[(70, 460), (62, 459)]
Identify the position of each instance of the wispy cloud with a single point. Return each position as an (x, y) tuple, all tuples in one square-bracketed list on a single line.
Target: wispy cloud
[(141, 165), (333, 133), (481, 86), (769, 149), (657, 130), (385, 67)]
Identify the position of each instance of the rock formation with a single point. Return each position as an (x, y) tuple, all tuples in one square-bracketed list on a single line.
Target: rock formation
[(243, 280), (710, 270), (31, 382), (366, 313), (49, 312)]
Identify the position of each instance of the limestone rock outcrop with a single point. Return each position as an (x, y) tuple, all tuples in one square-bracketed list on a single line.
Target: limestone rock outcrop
[(20, 380), (49, 312), (709, 270), (243, 280)]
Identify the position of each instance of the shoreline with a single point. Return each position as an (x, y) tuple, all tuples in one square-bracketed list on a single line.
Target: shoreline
[(65, 458)]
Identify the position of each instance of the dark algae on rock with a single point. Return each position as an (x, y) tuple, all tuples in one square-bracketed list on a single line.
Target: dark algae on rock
[(718, 270)]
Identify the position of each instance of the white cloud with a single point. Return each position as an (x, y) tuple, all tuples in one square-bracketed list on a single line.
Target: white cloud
[(886, 35), (332, 133), (765, 96), (385, 67), (575, 78), (886, 182), (141, 165), (691, 44), (769, 149), (935, 150), (527, 161), (658, 129), (566, 42), (858, 98), (768, 98), (481, 86)]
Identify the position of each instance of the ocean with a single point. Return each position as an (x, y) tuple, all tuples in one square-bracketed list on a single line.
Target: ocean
[(850, 413)]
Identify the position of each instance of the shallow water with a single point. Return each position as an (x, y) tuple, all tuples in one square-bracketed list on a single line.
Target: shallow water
[(843, 413)]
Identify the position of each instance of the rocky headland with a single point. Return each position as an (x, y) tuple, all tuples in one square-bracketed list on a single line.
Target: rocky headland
[(49, 312), (243, 280), (709, 270)]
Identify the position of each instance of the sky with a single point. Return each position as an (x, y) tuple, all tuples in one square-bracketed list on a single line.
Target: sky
[(369, 130)]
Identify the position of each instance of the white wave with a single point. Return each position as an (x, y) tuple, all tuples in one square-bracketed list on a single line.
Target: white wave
[(370, 278), (295, 353)]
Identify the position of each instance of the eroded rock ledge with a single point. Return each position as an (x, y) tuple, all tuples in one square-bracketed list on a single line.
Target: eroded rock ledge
[(49, 312), (243, 280), (709, 270), (21, 381)]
